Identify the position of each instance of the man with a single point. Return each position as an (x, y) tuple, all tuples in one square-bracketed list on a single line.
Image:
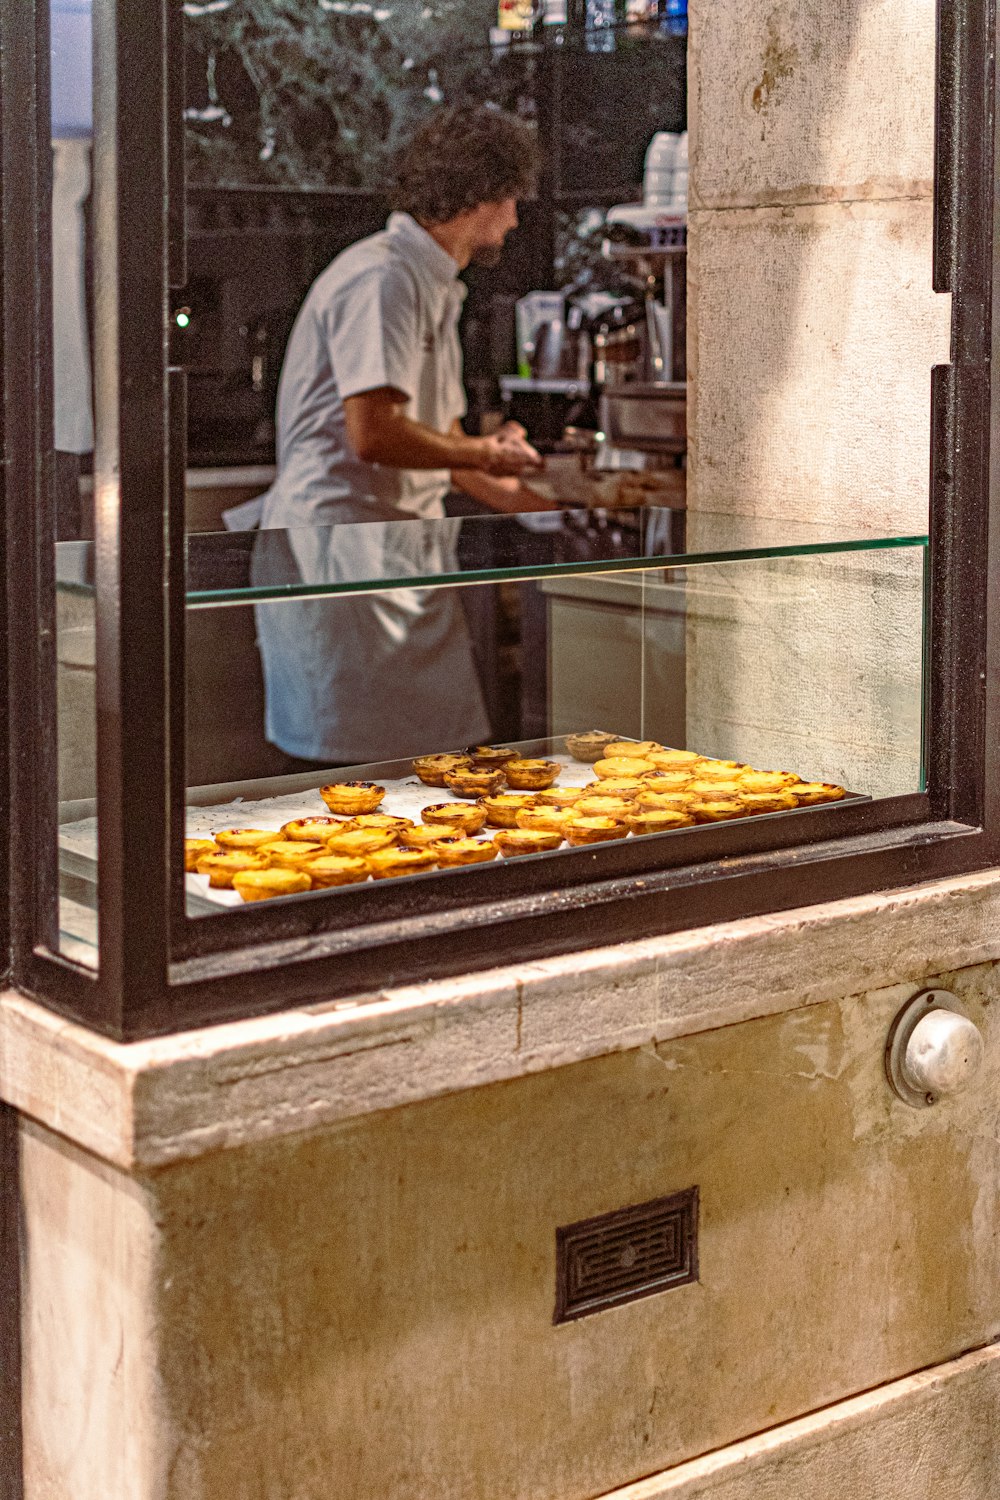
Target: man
[(369, 409)]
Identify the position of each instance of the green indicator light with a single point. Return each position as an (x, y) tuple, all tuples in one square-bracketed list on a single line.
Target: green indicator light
[(182, 319)]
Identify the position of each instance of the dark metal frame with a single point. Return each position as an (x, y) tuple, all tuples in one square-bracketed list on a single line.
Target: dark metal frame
[(160, 970)]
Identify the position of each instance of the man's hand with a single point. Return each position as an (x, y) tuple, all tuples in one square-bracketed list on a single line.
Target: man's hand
[(508, 452)]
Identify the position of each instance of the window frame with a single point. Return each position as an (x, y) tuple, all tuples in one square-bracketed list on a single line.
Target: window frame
[(160, 970)]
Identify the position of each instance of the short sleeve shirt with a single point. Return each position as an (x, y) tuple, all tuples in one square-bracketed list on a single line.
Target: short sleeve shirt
[(384, 313)]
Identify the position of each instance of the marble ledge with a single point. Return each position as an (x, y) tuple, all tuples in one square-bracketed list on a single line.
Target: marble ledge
[(143, 1105)]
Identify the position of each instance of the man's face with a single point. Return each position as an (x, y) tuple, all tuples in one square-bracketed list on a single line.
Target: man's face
[(491, 224)]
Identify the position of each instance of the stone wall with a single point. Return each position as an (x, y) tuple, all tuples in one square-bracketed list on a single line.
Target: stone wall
[(813, 330)]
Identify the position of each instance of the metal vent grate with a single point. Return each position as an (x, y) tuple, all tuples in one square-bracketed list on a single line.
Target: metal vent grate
[(632, 1252)]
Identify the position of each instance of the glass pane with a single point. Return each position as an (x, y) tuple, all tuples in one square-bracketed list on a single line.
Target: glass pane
[(73, 440), (746, 667)]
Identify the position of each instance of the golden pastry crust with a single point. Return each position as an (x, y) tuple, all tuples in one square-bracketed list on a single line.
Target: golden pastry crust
[(766, 802), (632, 749), (604, 807), (491, 757), (704, 786), (245, 838), (664, 802), (502, 810), (311, 830), (560, 796), (808, 792), (468, 782), (336, 869), (666, 781), (264, 885), (220, 868), (660, 820), (623, 787), (720, 810), (352, 797), (531, 775), (675, 760), (511, 841), (578, 830), (620, 766), (464, 851), (360, 842), (541, 819), (765, 781), (195, 849), (425, 835), (385, 822), (388, 863), (470, 818), (431, 769), (290, 854), (589, 746)]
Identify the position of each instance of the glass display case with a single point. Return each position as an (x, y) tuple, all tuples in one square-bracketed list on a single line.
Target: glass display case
[(521, 734)]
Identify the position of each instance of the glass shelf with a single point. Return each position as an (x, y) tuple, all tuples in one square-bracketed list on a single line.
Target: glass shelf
[(240, 568)]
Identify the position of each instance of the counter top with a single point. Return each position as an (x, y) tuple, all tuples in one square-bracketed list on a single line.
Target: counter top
[(143, 1105)]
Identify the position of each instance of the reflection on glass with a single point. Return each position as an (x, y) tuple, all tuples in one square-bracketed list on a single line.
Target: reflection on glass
[(73, 441)]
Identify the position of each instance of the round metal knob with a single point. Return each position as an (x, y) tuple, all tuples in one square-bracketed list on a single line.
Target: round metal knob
[(934, 1050)]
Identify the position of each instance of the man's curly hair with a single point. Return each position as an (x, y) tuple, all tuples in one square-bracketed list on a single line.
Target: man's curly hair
[(461, 157)]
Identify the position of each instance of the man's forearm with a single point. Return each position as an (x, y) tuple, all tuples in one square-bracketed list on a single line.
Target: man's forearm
[(510, 495), (398, 442)]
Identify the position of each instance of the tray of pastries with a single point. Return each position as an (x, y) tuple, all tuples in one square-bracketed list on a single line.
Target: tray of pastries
[(459, 808)]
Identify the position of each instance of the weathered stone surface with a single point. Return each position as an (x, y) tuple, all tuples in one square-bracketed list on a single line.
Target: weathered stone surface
[(366, 1310), (149, 1103), (811, 363), (930, 1436), (800, 101)]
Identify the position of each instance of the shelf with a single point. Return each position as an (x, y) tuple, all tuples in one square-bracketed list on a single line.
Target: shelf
[(240, 568)]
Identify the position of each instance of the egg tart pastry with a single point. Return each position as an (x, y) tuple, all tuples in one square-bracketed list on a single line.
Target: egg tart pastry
[(383, 821), (330, 870), (220, 868), (808, 792), (662, 820), (765, 781), (352, 797), (664, 802), (589, 746), (526, 841), (311, 830), (705, 786), (718, 810), (491, 757), (464, 851), (720, 770), (389, 862), (619, 765), (531, 775), (195, 849), (560, 796), (424, 835), (432, 769), (542, 819), (765, 802), (674, 760), (290, 854), (666, 781), (245, 838), (626, 787), (262, 885), (632, 749), (502, 810), (604, 807), (452, 815), (578, 830), (359, 842), (468, 782)]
